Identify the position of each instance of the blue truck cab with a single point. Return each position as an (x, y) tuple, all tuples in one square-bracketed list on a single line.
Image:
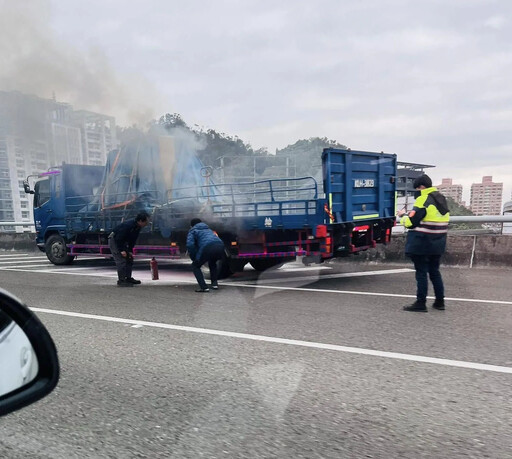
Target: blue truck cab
[(55, 192)]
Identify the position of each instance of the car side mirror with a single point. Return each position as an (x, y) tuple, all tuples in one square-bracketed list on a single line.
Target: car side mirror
[(29, 366), (26, 187)]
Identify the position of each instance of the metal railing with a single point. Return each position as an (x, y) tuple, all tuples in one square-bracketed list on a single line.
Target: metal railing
[(17, 224), (481, 219)]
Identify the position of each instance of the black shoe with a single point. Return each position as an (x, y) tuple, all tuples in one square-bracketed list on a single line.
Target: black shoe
[(439, 305), (124, 283), (202, 290), (133, 281), (215, 286), (417, 306)]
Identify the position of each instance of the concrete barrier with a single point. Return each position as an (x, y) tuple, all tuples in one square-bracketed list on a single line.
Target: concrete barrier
[(18, 241), (481, 250)]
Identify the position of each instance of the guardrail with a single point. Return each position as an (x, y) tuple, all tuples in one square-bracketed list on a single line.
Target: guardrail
[(481, 219), (454, 219), (16, 224)]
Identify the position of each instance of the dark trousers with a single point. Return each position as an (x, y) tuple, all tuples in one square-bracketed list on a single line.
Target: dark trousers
[(124, 265), (428, 265), (211, 254)]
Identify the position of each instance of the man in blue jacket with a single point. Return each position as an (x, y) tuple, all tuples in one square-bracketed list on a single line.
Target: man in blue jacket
[(426, 241), (203, 246), (121, 242)]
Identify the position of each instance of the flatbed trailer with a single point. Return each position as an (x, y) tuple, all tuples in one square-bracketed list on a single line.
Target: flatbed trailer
[(265, 223)]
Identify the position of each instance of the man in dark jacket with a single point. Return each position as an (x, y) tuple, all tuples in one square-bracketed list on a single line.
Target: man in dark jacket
[(121, 242), (203, 246), (426, 241)]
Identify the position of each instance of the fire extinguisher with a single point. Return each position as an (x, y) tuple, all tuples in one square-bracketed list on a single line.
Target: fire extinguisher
[(154, 269)]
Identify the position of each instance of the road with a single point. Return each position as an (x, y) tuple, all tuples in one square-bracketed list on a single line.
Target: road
[(300, 362)]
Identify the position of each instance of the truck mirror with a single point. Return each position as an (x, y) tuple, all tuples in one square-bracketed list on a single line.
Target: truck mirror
[(26, 187)]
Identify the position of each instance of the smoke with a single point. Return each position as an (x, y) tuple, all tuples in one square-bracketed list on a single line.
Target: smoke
[(34, 61)]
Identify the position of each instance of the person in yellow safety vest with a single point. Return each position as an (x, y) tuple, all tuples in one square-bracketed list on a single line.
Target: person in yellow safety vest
[(426, 241)]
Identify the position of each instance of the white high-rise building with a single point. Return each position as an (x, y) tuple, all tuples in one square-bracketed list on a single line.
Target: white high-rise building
[(36, 134), (98, 136)]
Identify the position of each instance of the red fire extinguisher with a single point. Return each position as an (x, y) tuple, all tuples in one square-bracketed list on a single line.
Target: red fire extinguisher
[(154, 269)]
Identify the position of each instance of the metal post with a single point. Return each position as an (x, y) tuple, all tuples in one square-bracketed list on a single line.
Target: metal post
[(473, 252)]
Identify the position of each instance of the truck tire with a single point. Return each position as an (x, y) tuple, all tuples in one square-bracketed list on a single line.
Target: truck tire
[(224, 269), (262, 264), (236, 265), (56, 250)]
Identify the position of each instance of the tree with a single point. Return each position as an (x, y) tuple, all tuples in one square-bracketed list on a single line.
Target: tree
[(307, 154), (212, 144), (458, 210)]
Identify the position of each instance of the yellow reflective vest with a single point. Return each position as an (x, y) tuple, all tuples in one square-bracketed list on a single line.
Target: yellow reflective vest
[(427, 224)]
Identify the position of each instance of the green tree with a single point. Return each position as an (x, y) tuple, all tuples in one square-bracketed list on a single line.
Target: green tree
[(215, 144), (307, 154), (458, 210)]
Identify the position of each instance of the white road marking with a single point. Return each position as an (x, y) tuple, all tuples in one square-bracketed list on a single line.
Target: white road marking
[(7, 261), (269, 287), (303, 268), (292, 342), (12, 268), (52, 271), (339, 275), (355, 292)]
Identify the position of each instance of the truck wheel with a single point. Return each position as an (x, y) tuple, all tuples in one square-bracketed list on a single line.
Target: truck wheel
[(236, 265), (56, 250), (224, 269), (262, 264)]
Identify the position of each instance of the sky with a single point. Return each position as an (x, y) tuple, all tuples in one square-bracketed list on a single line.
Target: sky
[(429, 81)]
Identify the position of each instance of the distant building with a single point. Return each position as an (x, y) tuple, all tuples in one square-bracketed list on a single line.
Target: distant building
[(98, 134), (486, 197), (36, 134), (451, 190), (407, 173), (507, 210)]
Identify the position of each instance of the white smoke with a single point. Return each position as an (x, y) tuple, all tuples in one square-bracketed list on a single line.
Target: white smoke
[(34, 61)]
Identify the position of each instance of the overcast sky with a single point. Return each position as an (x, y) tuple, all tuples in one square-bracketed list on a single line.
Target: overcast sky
[(427, 80)]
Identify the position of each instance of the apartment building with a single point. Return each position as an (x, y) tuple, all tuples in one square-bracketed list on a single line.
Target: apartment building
[(451, 190), (36, 134), (486, 197), (98, 135)]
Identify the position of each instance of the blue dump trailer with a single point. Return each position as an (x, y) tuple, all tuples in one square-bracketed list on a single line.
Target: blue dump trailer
[(263, 223)]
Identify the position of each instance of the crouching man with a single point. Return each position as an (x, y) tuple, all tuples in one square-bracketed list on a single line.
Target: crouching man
[(203, 246), (121, 242)]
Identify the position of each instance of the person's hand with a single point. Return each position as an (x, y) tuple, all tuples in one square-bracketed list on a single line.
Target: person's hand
[(123, 254), (400, 213), (130, 255)]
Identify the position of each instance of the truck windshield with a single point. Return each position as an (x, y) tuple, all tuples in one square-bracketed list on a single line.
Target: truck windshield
[(41, 192)]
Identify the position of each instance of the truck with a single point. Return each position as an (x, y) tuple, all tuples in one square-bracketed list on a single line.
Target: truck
[(265, 223)]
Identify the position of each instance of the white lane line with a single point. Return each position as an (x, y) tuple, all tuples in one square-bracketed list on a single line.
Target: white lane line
[(304, 268), (339, 275), (355, 292), (292, 342), (14, 254), (32, 260), (6, 261), (271, 287), (13, 268)]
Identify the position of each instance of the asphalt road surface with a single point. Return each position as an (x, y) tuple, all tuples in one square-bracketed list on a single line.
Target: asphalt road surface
[(300, 362)]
